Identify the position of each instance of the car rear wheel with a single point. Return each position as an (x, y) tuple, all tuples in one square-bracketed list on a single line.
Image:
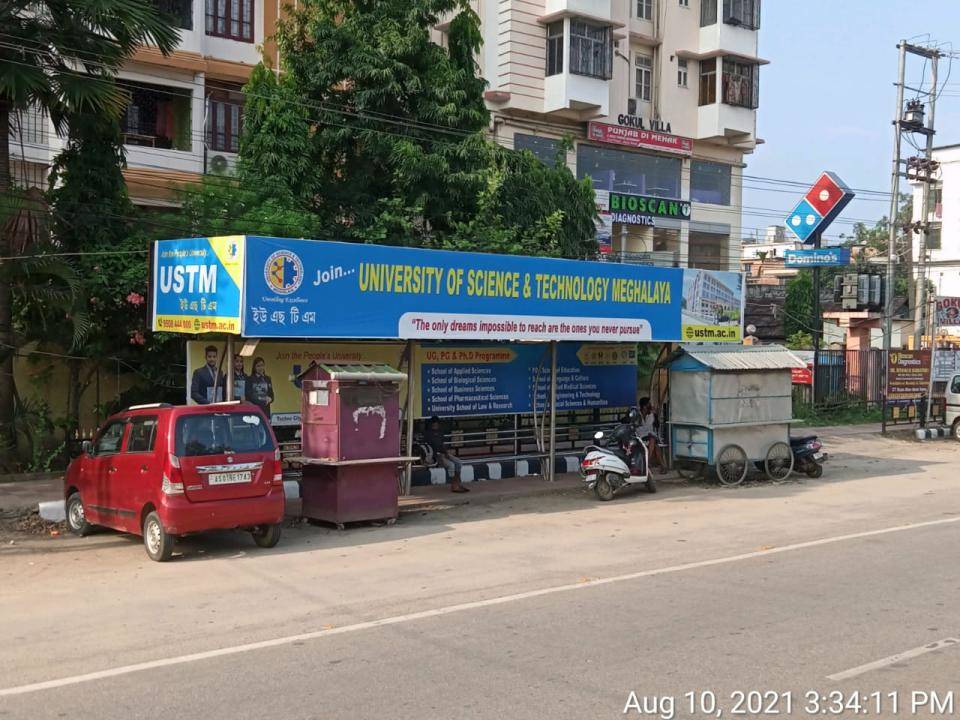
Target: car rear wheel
[(76, 518), (157, 541), (267, 536)]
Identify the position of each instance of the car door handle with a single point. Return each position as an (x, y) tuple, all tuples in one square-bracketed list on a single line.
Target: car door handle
[(144, 468), (113, 469)]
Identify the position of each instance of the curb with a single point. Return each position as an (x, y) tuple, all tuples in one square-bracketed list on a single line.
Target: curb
[(937, 433)]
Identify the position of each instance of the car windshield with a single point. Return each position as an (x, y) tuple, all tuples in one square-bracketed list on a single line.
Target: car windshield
[(211, 434)]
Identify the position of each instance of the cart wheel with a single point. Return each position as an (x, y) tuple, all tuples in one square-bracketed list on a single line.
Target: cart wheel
[(779, 462), (692, 471), (731, 465)]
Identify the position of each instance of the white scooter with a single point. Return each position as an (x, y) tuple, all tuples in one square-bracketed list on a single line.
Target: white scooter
[(605, 471)]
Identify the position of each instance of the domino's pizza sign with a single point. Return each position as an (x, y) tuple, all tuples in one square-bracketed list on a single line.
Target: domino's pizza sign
[(819, 207)]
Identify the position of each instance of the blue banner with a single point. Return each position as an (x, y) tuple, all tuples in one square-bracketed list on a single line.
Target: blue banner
[(504, 379), (817, 257), (316, 289), (198, 285)]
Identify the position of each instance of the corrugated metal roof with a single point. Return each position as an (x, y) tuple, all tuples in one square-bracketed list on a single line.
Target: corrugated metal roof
[(363, 371), (744, 357)]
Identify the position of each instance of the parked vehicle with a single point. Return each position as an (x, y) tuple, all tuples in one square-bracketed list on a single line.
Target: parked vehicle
[(162, 471), (616, 461), (807, 457)]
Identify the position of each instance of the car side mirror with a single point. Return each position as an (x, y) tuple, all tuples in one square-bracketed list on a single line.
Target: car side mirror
[(598, 435), (87, 447)]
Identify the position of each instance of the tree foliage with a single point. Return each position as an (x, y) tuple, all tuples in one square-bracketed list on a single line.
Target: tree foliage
[(798, 305)]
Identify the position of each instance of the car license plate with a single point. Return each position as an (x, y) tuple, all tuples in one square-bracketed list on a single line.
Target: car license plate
[(228, 478), (818, 456)]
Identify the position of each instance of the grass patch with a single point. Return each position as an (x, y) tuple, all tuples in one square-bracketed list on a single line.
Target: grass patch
[(837, 415)]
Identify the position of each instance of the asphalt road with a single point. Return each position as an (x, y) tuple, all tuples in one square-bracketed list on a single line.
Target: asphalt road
[(553, 607)]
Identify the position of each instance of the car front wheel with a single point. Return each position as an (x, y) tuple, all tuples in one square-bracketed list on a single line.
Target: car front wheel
[(76, 517), (157, 541)]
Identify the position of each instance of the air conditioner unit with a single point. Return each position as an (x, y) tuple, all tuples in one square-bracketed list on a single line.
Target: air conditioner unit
[(863, 289), (875, 290), (218, 164)]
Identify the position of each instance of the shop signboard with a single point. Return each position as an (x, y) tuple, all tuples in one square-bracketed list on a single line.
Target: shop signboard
[(639, 138), (946, 364), (816, 257), (642, 210), (197, 285), (313, 289), (802, 376), (908, 374), (506, 379), (948, 312)]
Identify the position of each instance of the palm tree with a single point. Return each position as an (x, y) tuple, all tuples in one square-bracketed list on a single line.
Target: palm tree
[(61, 57)]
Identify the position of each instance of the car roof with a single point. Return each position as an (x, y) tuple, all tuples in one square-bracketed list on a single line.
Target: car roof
[(182, 410)]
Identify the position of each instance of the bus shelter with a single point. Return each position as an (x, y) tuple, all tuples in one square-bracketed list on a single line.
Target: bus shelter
[(479, 334)]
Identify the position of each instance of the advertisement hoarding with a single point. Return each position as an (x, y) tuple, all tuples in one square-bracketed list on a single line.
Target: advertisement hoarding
[(908, 374), (197, 285), (948, 312), (314, 289)]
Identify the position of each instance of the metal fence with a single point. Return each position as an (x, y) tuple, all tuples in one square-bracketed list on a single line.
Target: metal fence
[(849, 377)]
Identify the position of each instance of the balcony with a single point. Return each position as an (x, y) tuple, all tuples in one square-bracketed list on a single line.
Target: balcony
[(590, 9), (224, 117), (157, 128), (180, 10), (579, 67), (728, 101)]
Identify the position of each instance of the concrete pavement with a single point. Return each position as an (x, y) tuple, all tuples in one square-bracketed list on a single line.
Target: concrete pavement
[(724, 599)]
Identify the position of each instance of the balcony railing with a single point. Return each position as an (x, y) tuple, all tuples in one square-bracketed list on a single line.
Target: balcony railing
[(180, 10)]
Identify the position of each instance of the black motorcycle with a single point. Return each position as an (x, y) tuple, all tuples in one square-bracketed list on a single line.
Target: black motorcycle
[(807, 455)]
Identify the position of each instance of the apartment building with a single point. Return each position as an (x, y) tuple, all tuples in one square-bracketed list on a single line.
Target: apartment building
[(943, 215), (660, 98), (184, 114)]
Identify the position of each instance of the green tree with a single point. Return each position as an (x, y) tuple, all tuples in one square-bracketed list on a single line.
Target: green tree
[(380, 132), (61, 56), (798, 305)]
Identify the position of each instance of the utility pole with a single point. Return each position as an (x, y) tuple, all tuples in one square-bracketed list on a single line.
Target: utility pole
[(909, 120), (926, 177), (892, 240)]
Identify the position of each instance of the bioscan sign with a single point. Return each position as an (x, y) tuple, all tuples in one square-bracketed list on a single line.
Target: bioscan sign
[(641, 210)]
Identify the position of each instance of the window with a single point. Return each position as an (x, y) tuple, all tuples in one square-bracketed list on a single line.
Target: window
[(143, 434), (934, 238), (544, 149), (955, 385), (741, 84), (157, 117), (212, 434), (710, 182), (224, 118), (644, 69), (180, 10), (231, 19), (555, 48), (110, 439), (645, 9), (708, 12), (683, 73), (685, 3), (628, 172), (591, 50), (708, 81), (745, 13)]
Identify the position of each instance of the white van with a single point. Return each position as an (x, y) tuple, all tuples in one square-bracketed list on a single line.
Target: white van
[(953, 406)]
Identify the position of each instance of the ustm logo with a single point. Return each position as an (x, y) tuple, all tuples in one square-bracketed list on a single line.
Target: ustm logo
[(283, 272)]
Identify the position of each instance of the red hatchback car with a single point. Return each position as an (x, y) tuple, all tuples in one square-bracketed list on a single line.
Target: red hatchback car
[(161, 471)]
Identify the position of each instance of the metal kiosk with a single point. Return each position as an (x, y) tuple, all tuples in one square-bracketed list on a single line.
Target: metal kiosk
[(351, 442), (730, 407)]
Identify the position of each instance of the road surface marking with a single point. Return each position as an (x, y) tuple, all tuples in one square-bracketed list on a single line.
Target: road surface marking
[(887, 661), (450, 609)]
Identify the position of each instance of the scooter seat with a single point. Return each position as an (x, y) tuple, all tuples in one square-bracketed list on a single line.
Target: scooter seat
[(802, 440)]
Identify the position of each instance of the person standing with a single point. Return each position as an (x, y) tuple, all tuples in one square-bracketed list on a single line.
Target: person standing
[(207, 380), (260, 387), (239, 380), (647, 431), (434, 438)]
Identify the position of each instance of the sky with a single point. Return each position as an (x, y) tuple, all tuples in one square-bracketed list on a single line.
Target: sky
[(827, 98)]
